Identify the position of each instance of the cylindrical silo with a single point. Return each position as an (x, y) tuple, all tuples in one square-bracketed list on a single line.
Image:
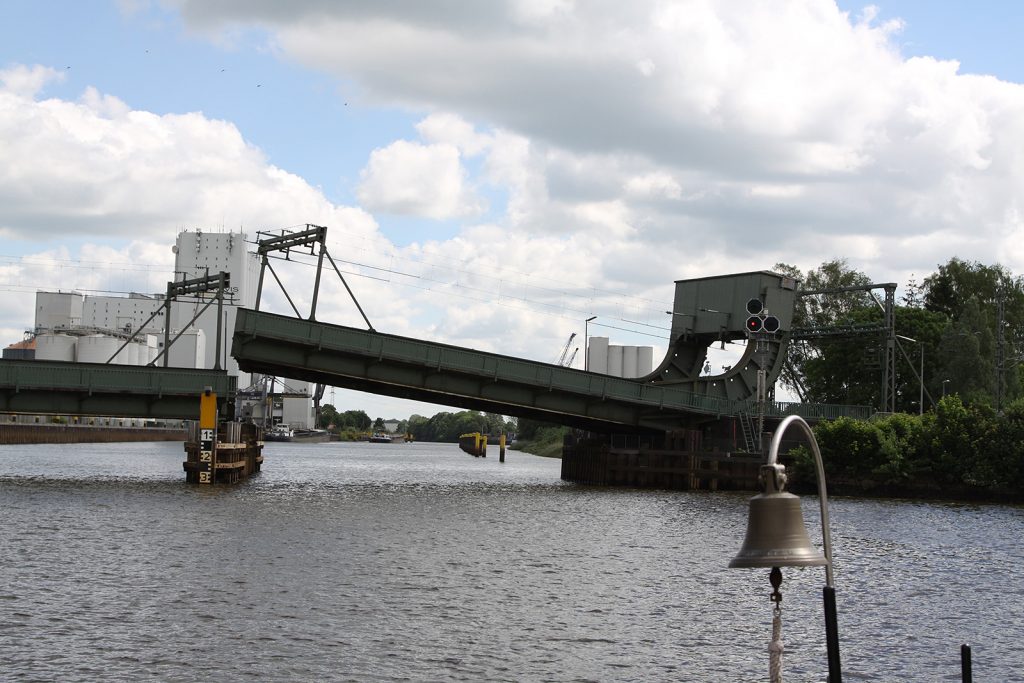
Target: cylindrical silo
[(615, 361), (97, 348), (55, 347), (644, 360), (598, 351), (629, 361)]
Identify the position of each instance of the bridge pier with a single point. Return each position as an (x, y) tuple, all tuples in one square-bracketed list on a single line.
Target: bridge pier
[(220, 452), (674, 460), (235, 453)]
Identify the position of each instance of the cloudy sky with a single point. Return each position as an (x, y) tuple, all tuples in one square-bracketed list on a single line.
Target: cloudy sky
[(494, 173)]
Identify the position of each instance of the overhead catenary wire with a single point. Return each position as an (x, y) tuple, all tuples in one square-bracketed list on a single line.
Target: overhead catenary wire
[(504, 294)]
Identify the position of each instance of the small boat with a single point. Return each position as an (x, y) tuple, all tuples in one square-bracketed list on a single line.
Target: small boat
[(380, 437), (278, 433), (311, 435)]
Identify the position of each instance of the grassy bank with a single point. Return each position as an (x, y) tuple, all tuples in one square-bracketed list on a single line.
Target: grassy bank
[(546, 442)]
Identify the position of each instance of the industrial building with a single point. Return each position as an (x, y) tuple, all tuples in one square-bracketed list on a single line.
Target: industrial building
[(76, 327)]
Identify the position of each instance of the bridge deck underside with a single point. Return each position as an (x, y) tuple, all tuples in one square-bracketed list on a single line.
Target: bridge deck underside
[(64, 388), (438, 373)]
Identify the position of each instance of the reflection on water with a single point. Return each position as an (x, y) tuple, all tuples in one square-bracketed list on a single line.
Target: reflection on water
[(374, 562)]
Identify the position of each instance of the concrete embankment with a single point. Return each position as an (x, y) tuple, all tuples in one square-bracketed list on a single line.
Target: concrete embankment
[(63, 433)]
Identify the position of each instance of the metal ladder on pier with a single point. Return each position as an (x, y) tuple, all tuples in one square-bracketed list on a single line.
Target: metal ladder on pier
[(750, 437)]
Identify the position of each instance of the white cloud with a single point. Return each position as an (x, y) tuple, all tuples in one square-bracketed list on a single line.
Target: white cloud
[(420, 180), (454, 130), (655, 184), (28, 81), (99, 168), (631, 143)]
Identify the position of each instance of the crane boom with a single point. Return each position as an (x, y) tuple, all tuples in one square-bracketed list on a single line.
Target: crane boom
[(565, 349)]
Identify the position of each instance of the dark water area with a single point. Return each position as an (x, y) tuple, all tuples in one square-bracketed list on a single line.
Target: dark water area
[(417, 562)]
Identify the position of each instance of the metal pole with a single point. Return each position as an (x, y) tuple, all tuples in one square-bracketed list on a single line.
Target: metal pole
[(831, 622), (966, 676), (832, 635), (586, 343), (920, 405)]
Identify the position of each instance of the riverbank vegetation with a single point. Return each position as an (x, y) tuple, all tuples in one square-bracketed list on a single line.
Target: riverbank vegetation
[(353, 425), (959, 450), (957, 425), (540, 438)]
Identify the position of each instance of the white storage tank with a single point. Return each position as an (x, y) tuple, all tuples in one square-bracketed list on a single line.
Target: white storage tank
[(55, 347), (644, 360), (129, 354), (598, 351), (152, 349), (629, 361), (97, 348), (615, 361)]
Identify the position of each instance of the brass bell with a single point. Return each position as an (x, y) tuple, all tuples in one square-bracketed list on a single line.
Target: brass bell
[(776, 535)]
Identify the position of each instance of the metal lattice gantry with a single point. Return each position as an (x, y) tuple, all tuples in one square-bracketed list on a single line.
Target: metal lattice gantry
[(312, 240), (887, 330)]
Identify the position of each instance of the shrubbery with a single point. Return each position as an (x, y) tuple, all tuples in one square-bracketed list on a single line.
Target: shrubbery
[(957, 449)]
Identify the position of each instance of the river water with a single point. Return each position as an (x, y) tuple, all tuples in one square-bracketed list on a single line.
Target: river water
[(416, 562)]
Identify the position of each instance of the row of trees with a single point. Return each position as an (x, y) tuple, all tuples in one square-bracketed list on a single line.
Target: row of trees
[(967, 320), (355, 420), (443, 426), (446, 427)]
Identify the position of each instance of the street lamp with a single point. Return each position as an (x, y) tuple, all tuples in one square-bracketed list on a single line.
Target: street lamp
[(586, 343), (776, 537), (944, 387)]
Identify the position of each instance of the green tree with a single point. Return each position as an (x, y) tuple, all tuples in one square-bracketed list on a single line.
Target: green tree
[(329, 418), (819, 311), (988, 302), (356, 419)]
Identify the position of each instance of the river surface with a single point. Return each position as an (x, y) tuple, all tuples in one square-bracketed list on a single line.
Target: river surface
[(416, 562)]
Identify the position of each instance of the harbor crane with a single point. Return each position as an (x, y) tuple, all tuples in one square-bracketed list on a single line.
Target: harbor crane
[(565, 350)]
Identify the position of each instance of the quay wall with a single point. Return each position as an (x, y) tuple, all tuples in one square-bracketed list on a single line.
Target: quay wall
[(675, 463), (70, 433)]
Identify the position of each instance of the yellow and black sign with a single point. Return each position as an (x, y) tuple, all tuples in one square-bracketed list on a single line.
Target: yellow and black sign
[(207, 436)]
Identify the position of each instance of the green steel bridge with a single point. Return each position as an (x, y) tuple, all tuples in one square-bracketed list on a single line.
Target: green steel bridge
[(755, 307), (63, 388)]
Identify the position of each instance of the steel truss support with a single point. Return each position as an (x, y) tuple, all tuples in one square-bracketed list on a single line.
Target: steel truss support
[(209, 283), (887, 404), (305, 240)]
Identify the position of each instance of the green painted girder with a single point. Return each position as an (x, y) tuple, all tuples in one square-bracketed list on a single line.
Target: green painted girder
[(714, 310), (450, 375), (53, 387)]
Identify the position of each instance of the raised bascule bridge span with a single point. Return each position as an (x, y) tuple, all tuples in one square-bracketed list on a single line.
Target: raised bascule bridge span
[(712, 310), (669, 410)]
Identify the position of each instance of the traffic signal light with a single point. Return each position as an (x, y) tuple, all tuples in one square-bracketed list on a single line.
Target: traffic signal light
[(754, 307), (754, 323)]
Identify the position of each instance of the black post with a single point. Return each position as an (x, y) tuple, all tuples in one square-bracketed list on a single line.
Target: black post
[(835, 675), (965, 664)]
